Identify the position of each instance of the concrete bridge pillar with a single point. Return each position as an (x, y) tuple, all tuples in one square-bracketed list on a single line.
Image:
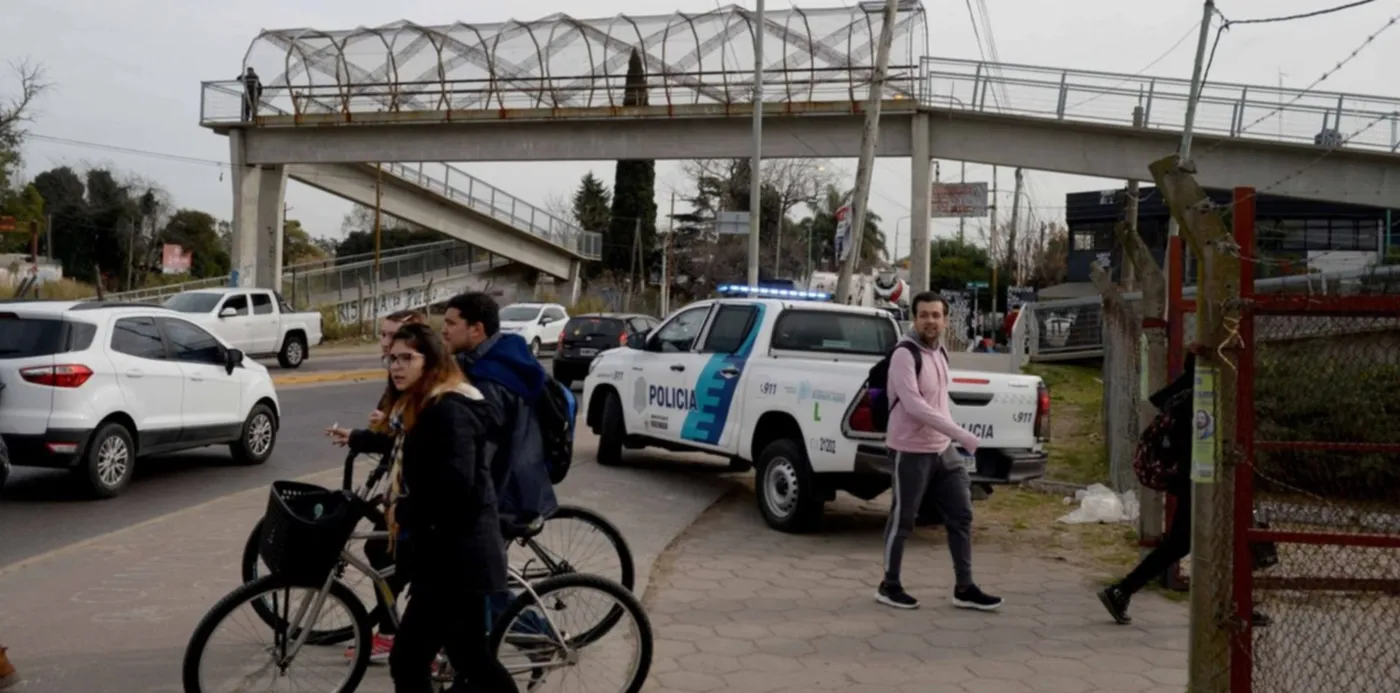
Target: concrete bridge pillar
[(575, 280), (921, 190), (259, 195)]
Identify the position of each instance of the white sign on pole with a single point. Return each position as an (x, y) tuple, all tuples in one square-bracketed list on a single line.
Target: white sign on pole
[(732, 223), (959, 200), (843, 232)]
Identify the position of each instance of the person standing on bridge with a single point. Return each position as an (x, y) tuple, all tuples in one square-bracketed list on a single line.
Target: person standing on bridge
[(252, 93), (922, 439)]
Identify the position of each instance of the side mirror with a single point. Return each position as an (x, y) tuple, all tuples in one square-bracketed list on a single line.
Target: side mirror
[(233, 358), (639, 341), (228, 313)]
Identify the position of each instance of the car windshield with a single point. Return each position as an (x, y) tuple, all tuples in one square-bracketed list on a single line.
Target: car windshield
[(593, 327), (520, 313), (193, 302)]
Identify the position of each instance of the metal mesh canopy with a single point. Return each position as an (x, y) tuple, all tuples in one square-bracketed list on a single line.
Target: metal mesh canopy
[(558, 61)]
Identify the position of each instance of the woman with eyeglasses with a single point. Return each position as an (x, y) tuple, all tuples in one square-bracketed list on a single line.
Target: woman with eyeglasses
[(441, 496)]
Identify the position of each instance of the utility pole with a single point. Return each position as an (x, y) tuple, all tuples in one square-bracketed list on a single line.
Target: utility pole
[(1207, 11), (378, 203), (130, 252), (991, 245), (1131, 215), (865, 166), (48, 231), (756, 164), (1011, 236), (666, 261), (962, 220), (632, 276)]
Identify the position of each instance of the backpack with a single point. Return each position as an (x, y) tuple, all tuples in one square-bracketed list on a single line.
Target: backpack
[(1157, 461), (877, 384), (556, 410)]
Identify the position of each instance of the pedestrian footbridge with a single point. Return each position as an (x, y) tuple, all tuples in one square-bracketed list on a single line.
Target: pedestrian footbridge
[(557, 89)]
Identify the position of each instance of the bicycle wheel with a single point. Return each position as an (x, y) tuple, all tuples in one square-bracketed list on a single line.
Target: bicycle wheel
[(359, 583), (243, 667), (540, 643), (575, 540)]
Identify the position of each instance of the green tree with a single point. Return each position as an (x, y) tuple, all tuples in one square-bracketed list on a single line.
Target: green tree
[(198, 233), (954, 263), (592, 204), (634, 193), (22, 202), (297, 245), (358, 227)]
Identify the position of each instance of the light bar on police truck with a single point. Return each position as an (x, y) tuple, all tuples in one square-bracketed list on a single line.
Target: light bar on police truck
[(774, 293)]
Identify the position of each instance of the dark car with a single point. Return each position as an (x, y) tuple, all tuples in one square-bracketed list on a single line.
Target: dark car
[(4, 463), (586, 336)]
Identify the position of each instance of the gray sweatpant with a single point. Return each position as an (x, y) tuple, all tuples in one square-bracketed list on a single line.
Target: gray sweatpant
[(941, 474)]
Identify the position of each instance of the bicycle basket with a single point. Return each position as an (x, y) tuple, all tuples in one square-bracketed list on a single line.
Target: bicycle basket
[(305, 529)]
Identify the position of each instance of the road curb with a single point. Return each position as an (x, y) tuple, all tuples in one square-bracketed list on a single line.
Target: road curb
[(330, 377)]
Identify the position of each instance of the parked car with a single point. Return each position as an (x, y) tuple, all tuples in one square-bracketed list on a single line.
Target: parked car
[(539, 324), (586, 336), (255, 321), (93, 386), (780, 385), (4, 462)]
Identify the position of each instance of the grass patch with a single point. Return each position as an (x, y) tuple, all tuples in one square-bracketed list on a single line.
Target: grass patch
[(337, 334), (1077, 449), (61, 290), (1014, 517)]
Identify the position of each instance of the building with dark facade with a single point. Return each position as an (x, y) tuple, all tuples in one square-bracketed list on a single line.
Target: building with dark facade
[(1296, 235)]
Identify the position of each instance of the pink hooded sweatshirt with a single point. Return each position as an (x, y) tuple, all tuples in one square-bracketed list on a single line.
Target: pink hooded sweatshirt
[(920, 420)]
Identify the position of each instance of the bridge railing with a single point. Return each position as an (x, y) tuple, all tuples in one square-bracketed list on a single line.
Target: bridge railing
[(1329, 119), (343, 278), (226, 98)]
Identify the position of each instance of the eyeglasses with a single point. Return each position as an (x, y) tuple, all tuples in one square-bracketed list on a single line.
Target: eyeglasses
[(400, 359)]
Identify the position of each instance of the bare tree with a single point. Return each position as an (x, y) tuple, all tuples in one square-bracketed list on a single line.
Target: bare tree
[(559, 205), (16, 111)]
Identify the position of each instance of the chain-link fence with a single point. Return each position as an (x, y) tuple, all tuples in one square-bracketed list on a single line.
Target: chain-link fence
[(1319, 395)]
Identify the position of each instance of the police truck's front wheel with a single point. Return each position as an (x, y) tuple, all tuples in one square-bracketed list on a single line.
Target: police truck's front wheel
[(613, 433)]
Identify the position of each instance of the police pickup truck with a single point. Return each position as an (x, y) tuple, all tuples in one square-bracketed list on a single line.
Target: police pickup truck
[(779, 383)]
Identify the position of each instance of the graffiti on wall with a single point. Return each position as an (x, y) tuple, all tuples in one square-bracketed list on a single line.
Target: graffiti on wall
[(421, 296)]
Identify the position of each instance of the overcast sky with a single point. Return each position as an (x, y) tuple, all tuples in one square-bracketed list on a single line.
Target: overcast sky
[(127, 74)]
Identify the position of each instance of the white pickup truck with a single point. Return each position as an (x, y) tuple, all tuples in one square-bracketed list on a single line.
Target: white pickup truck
[(255, 321), (780, 385)]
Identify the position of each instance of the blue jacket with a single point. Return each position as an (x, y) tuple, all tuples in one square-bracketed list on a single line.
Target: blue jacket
[(511, 379)]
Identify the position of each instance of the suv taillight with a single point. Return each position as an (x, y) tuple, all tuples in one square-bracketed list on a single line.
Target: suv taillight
[(1042, 412), (67, 375), (622, 339)]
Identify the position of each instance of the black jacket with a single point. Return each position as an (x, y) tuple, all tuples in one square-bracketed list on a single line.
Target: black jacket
[(448, 516), (1182, 413)]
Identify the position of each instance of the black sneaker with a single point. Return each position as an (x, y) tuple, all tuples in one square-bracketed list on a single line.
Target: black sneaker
[(1116, 601), (895, 596), (972, 597)]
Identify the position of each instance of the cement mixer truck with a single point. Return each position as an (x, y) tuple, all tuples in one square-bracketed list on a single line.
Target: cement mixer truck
[(881, 288)]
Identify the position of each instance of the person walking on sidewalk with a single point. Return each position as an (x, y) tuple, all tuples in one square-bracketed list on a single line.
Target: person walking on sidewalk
[(922, 440), (443, 504)]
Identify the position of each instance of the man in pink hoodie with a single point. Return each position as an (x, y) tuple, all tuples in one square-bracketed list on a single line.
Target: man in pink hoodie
[(923, 441)]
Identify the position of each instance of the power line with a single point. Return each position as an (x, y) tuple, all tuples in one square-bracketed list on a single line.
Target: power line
[(1145, 68), (1304, 15)]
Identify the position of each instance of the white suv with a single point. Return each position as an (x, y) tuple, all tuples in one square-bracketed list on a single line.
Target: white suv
[(90, 386), (539, 324)]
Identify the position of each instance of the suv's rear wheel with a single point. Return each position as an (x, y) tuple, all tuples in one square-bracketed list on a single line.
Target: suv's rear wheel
[(108, 462), (293, 351), (259, 436)]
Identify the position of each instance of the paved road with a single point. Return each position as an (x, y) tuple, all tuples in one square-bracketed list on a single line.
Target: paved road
[(40, 509)]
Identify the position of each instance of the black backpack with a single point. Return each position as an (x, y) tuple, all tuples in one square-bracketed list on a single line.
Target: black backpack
[(556, 410), (877, 386), (1163, 449)]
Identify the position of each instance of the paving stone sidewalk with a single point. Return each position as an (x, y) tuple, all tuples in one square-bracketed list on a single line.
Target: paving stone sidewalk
[(740, 608)]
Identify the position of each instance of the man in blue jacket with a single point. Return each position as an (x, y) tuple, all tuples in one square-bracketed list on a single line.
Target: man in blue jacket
[(501, 366)]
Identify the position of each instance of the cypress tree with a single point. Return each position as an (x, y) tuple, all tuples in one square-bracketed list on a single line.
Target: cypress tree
[(634, 193)]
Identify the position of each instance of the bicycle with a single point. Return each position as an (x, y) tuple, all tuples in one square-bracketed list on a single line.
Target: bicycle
[(535, 560), (528, 635)]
